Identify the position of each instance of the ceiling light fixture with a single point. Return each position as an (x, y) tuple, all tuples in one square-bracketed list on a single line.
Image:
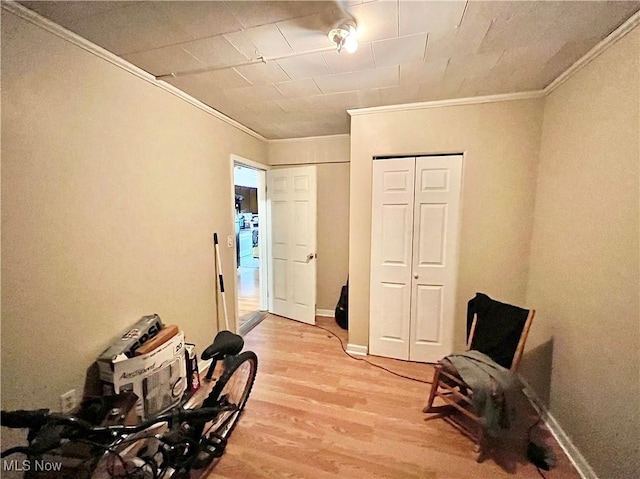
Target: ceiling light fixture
[(344, 36)]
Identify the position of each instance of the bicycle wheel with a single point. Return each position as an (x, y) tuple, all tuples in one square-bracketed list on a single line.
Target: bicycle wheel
[(232, 389), (230, 392), (134, 456)]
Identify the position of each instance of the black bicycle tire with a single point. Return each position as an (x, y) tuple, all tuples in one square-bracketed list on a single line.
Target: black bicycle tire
[(230, 369)]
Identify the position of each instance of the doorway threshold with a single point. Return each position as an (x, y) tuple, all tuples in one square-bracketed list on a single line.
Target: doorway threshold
[(250, 321)]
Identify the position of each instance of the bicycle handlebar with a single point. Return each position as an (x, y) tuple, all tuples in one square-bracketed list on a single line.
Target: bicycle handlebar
[(35, 419), (23, 419)]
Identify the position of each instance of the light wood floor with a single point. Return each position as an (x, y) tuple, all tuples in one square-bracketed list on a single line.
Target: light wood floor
[(248, 281), (317, 413)]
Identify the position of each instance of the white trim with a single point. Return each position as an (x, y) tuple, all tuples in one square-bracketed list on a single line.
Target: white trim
[(357, 349), (452, 102), (610, 40), (325, 313), (31, 16), (203, 365), (69, 36), (264, 251), (34, 18), (262, 219), (595, 52), (565, 442), (248, 163), (225, 241), (309, 138)]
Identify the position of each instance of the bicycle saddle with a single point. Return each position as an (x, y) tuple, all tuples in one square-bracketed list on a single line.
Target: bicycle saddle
[(224, 343)]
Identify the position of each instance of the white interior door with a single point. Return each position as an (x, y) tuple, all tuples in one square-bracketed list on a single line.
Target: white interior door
[(391, 253), (415, 209), (291, 202), (435, 264)]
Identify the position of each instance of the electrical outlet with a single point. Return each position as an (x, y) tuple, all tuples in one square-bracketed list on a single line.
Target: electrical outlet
[(229, 241), (68, 401)]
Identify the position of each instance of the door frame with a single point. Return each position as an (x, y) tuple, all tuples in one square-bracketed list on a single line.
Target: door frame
[(263, 219)]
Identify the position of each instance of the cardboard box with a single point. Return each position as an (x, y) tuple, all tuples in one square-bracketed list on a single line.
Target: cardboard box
[(146, 328), (157, 378)]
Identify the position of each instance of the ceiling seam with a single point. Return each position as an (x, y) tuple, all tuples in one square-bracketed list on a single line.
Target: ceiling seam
[(261, 59)]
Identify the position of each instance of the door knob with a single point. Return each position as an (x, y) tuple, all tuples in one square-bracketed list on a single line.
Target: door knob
[(415, 275), (310, 256)]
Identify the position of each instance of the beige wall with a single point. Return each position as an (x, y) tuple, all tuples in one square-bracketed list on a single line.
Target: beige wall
[(550, 221), (331, 156), (500, 143), (584, 277), (309, 151), (111, 190), (333, 233)]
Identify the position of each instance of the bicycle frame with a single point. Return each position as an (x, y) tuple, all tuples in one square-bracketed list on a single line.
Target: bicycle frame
[(49, 431), (188, 436)]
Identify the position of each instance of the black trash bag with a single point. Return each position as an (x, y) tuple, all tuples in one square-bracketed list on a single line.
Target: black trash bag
[(342, 308)]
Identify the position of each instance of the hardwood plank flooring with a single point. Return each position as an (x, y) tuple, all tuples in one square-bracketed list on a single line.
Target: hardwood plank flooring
[(317, 413), (248, 284)]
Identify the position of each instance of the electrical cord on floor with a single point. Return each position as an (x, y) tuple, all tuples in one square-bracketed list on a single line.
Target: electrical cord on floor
[(540, 456), (529, 444), (538, 450), (369, 362), (536, 405), (540, 472)]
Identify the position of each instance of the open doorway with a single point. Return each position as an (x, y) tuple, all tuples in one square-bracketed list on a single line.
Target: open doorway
[(249, 217)]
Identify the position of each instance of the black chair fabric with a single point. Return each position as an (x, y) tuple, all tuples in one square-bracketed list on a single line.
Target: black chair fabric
[(498, 328)]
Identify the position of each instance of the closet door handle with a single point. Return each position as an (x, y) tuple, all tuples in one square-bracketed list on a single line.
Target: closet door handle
[(415, 275)]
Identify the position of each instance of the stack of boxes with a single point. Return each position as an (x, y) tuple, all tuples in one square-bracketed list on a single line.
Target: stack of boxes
[(158, 377)]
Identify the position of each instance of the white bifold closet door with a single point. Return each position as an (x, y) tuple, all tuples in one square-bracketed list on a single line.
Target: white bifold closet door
[(415, 211)]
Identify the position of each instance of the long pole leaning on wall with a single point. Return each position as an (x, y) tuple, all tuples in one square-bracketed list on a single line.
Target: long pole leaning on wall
[(221, 280)]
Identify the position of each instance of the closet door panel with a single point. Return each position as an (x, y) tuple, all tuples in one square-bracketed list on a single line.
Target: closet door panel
[(394, 311), (429, 303), (435, 246), (391, 257), (432, 234)]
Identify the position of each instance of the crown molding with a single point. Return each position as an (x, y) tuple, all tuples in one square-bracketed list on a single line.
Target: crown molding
[(595, 52), (452, 102), (309, 138), (607, 42), (61, 32)]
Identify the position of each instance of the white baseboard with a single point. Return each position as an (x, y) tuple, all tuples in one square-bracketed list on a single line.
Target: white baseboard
[(565, 442), (325, 313), (203, 366), (357, 350)]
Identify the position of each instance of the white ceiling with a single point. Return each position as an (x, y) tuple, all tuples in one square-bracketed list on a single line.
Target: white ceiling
[(270, 66)]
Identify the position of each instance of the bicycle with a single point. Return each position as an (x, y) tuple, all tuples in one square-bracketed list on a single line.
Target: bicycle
[(175, 444)]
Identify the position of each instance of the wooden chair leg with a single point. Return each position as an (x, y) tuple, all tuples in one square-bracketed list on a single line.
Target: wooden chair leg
[(434, 389), (480, 447)]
